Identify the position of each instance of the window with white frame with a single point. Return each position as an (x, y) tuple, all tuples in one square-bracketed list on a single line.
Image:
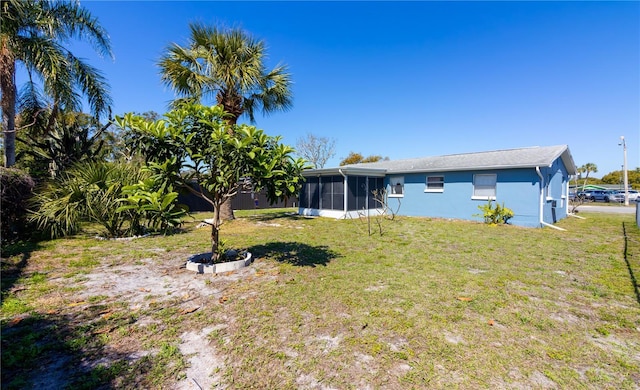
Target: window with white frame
[(484, 186), (397, 186), (434, 184)]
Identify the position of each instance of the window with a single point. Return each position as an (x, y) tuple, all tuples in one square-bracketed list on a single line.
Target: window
[(435, 184), (484, 186), (397, 186)]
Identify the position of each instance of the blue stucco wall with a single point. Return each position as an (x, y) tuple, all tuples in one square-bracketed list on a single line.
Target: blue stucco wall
[(556, 178), (517, 188)]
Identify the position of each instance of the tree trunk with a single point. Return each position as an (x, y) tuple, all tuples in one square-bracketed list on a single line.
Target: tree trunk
[(215, 234), (226, 211), (8, 104)]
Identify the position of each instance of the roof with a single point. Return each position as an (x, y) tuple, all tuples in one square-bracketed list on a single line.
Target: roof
[(531, 157)]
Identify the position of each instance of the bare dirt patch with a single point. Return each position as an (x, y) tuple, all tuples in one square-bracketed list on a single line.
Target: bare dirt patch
[(116, 306)]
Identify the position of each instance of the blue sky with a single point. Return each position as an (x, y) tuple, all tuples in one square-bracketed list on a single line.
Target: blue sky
[(412, 79)]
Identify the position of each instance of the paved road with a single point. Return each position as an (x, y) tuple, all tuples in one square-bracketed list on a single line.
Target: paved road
[(631, 209)]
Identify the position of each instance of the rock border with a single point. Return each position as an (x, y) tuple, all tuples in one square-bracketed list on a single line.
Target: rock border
[(194, 264)]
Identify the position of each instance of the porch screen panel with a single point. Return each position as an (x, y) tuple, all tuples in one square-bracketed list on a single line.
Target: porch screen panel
[(338, 193), (352, 188), (357, 192), (326, 189), (304, 194), (309, 196), (375, 184), (361, 197)]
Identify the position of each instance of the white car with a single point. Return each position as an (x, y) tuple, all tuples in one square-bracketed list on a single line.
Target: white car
[(618, 196)]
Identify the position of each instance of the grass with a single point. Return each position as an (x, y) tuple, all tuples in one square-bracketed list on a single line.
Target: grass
[(429, 304)]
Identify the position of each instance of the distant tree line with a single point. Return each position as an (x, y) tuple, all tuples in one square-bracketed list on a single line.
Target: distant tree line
[(615, 177)]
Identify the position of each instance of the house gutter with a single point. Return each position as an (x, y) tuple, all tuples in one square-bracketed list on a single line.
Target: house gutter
[(541, 209)]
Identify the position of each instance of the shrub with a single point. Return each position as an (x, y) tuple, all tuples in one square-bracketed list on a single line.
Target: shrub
[(495, 215), (156, 204), (16, 189), (95, 192)]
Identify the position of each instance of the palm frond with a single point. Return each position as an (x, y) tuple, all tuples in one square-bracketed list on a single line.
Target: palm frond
[(93, 85), (228, 65)]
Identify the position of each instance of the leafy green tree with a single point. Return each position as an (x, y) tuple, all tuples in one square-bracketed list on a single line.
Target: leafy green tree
[(194, 143), (33, 33), (615, 177), (357, 158), (229, 66), (120, 144)]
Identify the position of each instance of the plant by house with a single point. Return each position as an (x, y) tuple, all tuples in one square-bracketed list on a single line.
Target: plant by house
[(195, 144), (494, 215)]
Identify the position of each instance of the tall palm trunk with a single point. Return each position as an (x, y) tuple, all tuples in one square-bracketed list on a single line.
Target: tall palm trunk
[(8, 104)]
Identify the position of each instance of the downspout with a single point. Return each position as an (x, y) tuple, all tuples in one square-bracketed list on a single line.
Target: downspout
[(346, 189), (541, 209), (566, 191)]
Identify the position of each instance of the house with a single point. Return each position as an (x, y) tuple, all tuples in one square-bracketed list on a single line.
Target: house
[(533, 182)]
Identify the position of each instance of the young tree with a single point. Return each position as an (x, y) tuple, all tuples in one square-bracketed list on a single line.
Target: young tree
[(195, 143), (316, 150), (228, 65), (33, 32)]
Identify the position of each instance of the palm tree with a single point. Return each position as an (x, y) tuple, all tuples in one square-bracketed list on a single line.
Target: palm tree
[(587, 168), (32, 32), (229, 66)]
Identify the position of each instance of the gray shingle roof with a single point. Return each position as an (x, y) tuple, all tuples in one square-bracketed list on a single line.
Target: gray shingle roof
[(530, 157)]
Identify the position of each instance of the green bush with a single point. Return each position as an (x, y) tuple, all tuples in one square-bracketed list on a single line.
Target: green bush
[(495, 215), (16, 188), (156, 204), (95, 192)]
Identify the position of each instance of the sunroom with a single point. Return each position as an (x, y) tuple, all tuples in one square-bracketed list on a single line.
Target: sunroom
[(341, 192)]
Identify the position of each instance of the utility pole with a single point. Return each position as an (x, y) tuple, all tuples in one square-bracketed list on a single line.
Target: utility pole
[(624, 170)]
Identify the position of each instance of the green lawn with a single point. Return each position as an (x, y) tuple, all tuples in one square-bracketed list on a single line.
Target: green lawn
[(429, 304)]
